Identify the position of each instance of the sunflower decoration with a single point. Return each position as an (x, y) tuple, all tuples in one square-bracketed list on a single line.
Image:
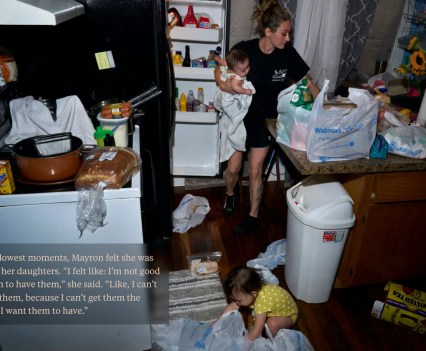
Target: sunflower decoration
[(416, 64)]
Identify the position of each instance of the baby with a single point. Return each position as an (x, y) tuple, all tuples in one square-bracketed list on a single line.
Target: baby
[(235, 67), (270, 304)]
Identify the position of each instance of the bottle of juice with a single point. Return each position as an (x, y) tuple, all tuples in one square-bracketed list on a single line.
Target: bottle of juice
[(190, 20), (211, 63), (182, 102)]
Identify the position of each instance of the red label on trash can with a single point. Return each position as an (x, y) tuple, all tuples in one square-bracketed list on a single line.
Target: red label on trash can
[(328, 236)]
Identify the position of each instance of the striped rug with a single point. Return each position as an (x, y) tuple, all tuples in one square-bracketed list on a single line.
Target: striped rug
[(198, 298)]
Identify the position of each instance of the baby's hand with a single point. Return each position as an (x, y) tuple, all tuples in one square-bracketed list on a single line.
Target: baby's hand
[(231, 307)]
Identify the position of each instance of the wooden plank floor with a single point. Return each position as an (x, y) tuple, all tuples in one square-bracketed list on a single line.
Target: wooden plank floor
[(342, 323)]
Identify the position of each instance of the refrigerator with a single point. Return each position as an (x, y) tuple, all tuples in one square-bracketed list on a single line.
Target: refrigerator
[(115, 49)]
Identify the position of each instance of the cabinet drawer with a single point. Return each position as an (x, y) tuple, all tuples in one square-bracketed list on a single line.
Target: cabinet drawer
[(399, 186)]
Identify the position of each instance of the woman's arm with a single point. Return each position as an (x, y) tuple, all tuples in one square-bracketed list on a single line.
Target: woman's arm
[(313, 88), (259, 324), (224, 86)]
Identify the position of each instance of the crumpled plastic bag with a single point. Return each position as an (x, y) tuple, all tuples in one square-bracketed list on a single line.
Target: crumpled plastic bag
[(267, 276), (408, 141), (191, 212), (272, 257), (91, 209), (227, 333), (286, 339)]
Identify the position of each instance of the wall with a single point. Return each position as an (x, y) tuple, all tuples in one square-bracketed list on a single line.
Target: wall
[(380, 39), (378, 45)]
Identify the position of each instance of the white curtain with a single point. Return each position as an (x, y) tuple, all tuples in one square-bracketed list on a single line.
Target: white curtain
[(318, 37)]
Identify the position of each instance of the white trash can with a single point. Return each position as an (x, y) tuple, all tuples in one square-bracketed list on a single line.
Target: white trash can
[(320, 213)]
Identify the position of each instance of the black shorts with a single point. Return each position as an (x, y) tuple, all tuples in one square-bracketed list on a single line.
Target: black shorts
[(257, 135)]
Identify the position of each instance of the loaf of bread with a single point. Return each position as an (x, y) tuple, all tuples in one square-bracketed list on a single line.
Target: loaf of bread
[(113, 166)]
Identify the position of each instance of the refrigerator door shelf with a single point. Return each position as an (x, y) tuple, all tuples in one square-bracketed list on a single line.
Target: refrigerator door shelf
[(197, 34), (196, 149), (194, 73), (196, 117)]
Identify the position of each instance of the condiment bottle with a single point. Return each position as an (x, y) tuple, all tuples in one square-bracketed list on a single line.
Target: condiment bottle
[(187, 60), (177, 102), (182, 102), (210, 107), (211, 63), (190, 100), (174, 18), (190, 20), (177, 60), (200, 95), (99, 136), (109, 139)]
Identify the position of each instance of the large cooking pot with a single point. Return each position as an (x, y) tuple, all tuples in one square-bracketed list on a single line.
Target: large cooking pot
[(47, 159)]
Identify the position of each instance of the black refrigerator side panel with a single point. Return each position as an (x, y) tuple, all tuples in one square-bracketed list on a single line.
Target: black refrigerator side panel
[(156, 130), (135, 33)]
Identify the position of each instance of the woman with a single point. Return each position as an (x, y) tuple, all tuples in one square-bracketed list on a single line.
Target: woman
[(275, 65)]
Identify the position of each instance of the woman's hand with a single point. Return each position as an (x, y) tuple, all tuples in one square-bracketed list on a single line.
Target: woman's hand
[(313, 88)]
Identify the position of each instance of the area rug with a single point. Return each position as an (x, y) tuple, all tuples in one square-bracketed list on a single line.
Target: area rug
[(199, 298)]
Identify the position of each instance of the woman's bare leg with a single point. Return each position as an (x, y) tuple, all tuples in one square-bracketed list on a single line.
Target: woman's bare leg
[(256, 160)]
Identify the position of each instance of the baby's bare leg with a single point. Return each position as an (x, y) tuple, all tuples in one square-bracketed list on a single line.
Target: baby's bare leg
[(277, 323)]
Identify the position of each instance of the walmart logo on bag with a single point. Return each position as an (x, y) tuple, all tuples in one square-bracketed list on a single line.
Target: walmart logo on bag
[(327, 130)]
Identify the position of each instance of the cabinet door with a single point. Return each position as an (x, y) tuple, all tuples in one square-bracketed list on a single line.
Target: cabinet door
[(393, 243)]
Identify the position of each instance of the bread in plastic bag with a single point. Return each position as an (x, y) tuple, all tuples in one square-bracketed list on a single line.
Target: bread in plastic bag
[(113, 166)]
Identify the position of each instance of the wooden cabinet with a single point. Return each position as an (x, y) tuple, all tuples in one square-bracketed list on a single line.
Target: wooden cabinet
[(388, 239)]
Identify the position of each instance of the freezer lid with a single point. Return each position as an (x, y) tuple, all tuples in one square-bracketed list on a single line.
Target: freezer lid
[(39, 12)]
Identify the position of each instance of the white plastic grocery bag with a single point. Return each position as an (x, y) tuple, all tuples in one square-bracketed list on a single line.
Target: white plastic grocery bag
[(409, 141), (342, 133), (292, 121), (190, 213)]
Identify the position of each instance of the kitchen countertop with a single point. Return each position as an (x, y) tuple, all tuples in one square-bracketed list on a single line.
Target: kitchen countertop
[(392, 163)]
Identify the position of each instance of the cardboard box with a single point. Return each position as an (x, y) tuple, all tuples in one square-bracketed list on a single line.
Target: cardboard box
[(7, 185), (403, 306)]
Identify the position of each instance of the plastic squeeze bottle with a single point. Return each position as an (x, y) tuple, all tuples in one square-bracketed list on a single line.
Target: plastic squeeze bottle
[(182, 102), (200, 95), (190, 20), (190, 100)]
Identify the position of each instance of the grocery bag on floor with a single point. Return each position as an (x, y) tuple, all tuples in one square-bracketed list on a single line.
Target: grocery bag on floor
[(227, 333), (342, 133), (190, 213)]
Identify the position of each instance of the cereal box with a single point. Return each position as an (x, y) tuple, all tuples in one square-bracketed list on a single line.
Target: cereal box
[(7, 185)]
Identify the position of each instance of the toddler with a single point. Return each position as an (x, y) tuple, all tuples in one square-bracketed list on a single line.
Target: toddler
[(235, 67), (270, 304)]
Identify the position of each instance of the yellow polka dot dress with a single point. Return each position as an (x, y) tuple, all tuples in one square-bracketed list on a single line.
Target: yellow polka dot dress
[(275, 302)]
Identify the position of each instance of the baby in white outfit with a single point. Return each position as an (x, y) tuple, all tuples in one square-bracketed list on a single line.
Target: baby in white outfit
[(235, 67)]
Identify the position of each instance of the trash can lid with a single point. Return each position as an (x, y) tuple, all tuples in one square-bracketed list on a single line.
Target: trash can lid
[(321, 201)]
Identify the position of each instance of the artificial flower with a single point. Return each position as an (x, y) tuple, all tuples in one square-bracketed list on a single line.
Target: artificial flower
[(416, 66), (418, 63)]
